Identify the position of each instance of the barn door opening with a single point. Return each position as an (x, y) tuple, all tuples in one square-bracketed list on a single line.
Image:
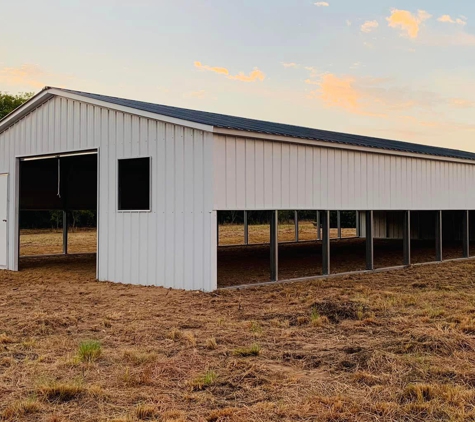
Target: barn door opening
[(58, 210), (3, 220)]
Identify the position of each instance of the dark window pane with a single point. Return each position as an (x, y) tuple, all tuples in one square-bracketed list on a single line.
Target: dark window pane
[(134, 184)]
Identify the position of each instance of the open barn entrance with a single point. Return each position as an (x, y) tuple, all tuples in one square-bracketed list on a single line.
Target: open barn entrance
[(256, 247), (294, 245), (58, 210)]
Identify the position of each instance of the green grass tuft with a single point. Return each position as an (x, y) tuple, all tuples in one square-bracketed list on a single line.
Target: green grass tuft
[(89, 351), (254, 350)]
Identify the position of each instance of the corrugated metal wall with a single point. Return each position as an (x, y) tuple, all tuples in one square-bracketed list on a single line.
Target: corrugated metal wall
[(174, 245), (257, 175)]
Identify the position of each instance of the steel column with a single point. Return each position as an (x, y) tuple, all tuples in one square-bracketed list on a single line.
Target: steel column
[(369, 241), (358, 230), (296, 223), (246, 229), (407, 238), (325, 216), (274, 246), (217, 228), (466, 234), (319, 234), (438, 236), (65, 232), (338, 218)]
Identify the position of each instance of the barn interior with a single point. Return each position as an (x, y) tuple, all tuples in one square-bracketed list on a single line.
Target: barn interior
[(60, 188), (432, 236)]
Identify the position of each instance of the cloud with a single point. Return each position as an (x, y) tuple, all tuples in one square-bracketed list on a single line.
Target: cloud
[(407, 22), (27, 75), (459, 38), (255, 75), (220, 70), (322, 4), (448, 19), (290, 64), (348, 22), (196, 94), (369, 96), (311, 82), (369, 26), (461, 103), (340, 93)]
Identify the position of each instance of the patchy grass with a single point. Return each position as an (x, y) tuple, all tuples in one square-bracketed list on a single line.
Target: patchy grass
[(395, 346), (244, 352), (89, 351), (145, 412), (21, 409), (60, 392), (203, 381)]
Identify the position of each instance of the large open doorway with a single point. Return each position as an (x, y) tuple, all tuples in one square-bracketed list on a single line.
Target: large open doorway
[(58, 207)]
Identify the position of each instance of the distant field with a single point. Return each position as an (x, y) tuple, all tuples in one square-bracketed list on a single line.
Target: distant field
[(43, 242), (395, 346), (234, 234)]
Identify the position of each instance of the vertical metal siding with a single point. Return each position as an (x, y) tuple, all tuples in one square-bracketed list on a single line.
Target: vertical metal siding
[(174, 245), (275, 175)]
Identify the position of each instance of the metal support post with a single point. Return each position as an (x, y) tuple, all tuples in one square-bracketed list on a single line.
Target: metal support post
[(325, 216), (246, 229), (274, 246), (358, 229), (338, 218), (438, 236), (296, 223), (369, 241), (65, 232), (407, 238), (319, 233), (466, 234)]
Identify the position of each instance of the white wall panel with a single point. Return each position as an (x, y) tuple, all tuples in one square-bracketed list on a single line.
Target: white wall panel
[(295, 176), (174, 244)]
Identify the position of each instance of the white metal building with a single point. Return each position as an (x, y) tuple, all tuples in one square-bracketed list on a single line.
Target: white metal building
[(164, 232)]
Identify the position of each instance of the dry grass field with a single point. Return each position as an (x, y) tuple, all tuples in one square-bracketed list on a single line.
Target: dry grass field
[(394, 346), (47, 242), (234, 234)]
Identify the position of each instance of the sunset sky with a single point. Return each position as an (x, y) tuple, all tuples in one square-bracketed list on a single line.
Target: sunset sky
[(396, 69)]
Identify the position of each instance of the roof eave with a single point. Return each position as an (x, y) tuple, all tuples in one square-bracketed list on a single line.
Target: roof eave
[(337, 145), (26, 108)]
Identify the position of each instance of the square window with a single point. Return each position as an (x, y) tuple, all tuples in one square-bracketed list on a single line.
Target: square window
[(134, 184)]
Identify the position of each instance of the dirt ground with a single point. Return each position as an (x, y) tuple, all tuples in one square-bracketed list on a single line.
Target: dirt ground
[(395, 346)]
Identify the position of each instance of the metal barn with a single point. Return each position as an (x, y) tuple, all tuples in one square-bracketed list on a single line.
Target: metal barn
[(158, 176)]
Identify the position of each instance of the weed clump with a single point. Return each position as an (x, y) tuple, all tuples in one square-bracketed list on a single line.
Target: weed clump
[(211, 343), (19, 409), (204, 381), (60, 392), (316, 319), (243, 352), (89, 351), (145, 412)]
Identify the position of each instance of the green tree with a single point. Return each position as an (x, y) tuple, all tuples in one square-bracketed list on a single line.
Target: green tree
[(9, 102)]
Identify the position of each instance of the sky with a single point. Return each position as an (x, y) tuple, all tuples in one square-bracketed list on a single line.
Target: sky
[(398, 69)]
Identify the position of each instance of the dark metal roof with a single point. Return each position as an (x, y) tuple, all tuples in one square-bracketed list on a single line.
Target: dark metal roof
[(259, 126)]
